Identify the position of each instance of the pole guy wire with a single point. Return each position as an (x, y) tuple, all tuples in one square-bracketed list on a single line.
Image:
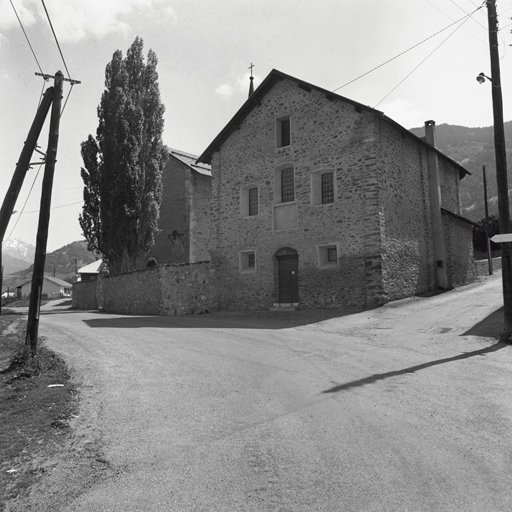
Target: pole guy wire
[(26, 36)]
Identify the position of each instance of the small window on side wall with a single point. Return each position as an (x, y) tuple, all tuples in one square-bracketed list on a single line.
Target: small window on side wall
[(283, 132), (249, 201), (247, 262), (328, 256)]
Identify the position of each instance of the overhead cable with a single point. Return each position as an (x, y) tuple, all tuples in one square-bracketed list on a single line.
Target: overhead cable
[(26, 36)]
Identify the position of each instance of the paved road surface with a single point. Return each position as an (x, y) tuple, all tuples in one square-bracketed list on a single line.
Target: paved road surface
[(403, 408)]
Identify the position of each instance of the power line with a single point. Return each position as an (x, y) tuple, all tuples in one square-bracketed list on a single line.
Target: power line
[(26, 36), (56, 40), (409, 49), (434, 50), (26, 200)]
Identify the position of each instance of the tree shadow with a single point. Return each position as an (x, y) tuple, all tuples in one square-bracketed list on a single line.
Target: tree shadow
[(381, 376), (219, 320)]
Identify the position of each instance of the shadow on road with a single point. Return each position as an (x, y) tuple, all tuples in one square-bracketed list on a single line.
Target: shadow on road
[(219, 320), (490, 327), (412, 369)]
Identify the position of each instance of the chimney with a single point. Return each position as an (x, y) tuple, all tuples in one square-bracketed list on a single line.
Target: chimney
[(430, 133)]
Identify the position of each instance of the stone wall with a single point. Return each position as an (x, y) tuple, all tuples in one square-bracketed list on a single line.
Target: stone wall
[(165, 290), (482, 266), (85, 295), (459, 248), (407, 249)]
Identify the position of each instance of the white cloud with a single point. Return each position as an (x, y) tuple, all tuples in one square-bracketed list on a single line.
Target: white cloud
[(25, 12), (239, 84), (225, 90), (404, 113), (76, 20)]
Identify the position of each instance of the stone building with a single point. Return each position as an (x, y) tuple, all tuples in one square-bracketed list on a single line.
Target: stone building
[(184, 224), (320, 201)]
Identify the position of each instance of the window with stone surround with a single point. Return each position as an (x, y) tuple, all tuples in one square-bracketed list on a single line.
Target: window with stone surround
[(287, 185), (249, 200), (247, 262), (328, 256), (283, 132), (323, 187)]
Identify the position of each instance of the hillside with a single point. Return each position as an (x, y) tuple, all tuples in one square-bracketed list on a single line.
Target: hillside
[(12, 264), (63, 263), (472, 148)]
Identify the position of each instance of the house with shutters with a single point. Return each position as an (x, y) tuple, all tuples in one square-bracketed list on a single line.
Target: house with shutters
[(184, 223), (318, 201)]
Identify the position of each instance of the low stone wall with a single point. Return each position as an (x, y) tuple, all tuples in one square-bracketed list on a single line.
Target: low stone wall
[(459, 246), (84, 295), (482, 266), (166, 290)]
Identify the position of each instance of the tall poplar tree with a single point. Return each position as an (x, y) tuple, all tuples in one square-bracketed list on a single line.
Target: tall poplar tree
[(123, 165)]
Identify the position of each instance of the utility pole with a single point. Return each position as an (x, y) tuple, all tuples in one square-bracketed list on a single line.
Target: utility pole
[(22, 166), (489, 252), (44, 218), (501, 169)]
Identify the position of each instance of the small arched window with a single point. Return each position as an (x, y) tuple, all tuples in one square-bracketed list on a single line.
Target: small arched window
[(151, 262)]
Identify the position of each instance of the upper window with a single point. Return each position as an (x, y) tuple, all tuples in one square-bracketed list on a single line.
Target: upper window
[(287, 185), (327, 188), (283, 132), (323, 187), (249, 201), (253, 201)]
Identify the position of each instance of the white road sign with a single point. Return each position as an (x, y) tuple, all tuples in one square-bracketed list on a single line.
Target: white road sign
[(498, 239)]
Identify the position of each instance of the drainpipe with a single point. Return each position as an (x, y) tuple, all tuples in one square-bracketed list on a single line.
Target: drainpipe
[(436, 219)]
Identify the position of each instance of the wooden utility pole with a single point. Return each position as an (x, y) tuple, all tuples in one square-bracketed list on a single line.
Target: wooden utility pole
[(489, 252), (44, 218), (22, 166), (501, 168)]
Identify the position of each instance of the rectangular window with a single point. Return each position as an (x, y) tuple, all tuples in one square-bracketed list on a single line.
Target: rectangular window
[(253, 201), (285, 132), (287, 185), (251, 263), (247, 262), (327, 188), (332, 254)]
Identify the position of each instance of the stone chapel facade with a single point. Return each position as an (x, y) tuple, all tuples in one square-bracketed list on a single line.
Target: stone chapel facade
[(318, 201)]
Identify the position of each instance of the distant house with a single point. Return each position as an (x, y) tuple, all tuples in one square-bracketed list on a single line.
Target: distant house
[(53, 288), (184, 221), (90, 272)]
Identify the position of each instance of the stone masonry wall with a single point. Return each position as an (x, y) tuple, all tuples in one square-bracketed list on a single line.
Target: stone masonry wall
[(166, 290), (407, 242), (459, 246), (200, 217), (325, 135), (84, 295), (173, 217), (137, 292)]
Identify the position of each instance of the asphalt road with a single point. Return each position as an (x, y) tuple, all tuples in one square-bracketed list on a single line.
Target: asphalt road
[(403, 408)]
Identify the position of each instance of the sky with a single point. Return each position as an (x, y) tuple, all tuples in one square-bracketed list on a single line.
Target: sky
[(204, 51)]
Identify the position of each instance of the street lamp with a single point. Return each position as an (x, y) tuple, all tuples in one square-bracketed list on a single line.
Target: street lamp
[(481, 78)]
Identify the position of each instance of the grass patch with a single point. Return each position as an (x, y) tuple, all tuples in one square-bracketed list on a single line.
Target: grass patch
[(35, 417)]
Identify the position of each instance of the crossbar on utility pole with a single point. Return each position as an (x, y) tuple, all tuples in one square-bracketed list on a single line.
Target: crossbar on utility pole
[(22, 166), (501, 169), (44, 218)]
